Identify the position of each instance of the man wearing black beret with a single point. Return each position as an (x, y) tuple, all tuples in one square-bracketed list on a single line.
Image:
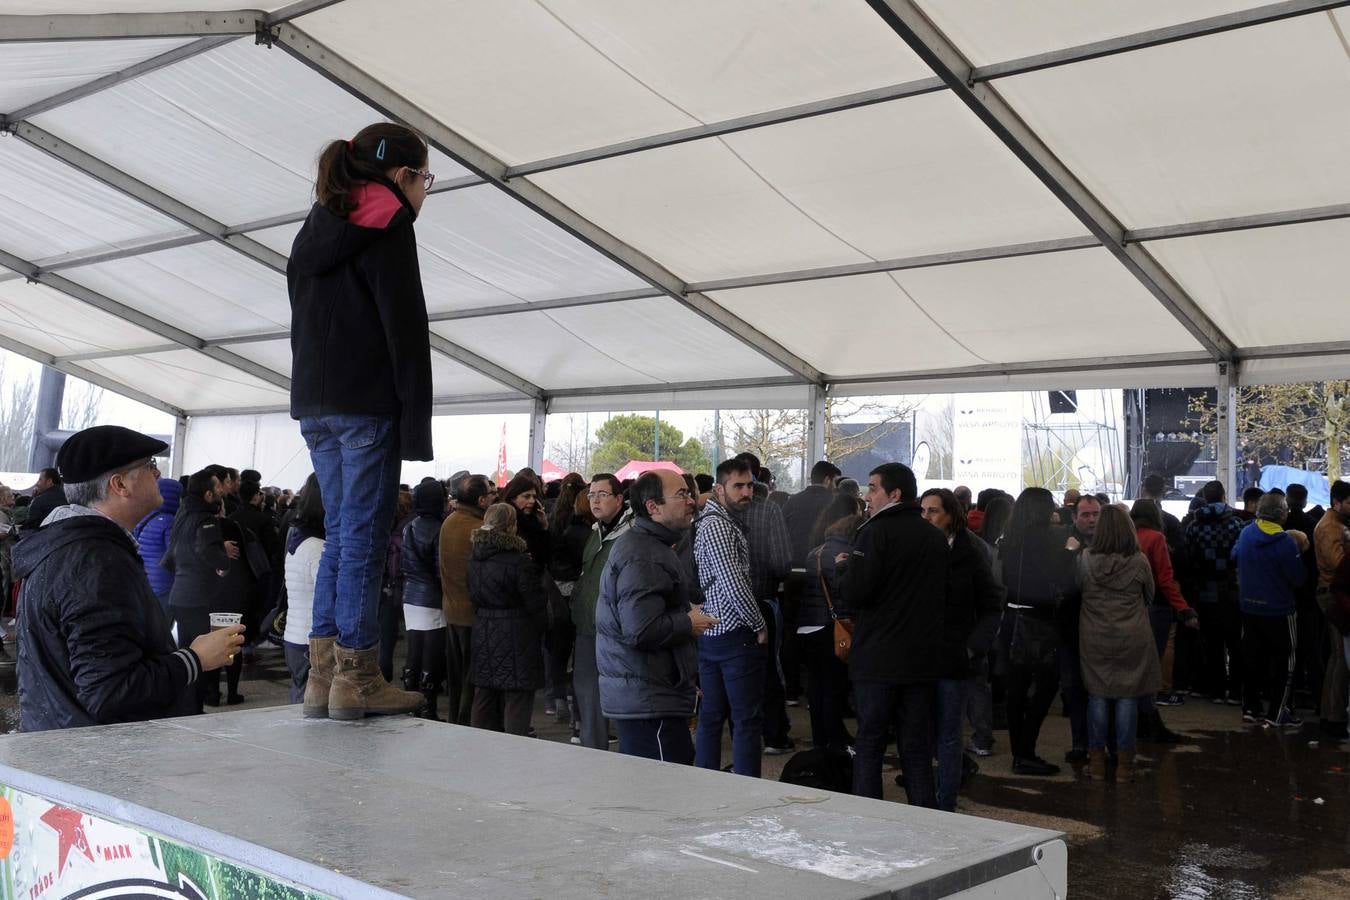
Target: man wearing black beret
[(94, 645)]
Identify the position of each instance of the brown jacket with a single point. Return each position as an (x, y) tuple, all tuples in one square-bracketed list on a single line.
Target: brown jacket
[(1329, 537), (456, 548), (1119, 657)]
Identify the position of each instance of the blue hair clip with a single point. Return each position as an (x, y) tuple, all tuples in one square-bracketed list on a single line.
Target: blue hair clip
[(379, 151)]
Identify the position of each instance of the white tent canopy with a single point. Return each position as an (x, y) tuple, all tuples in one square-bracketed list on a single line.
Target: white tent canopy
[(644, 202)]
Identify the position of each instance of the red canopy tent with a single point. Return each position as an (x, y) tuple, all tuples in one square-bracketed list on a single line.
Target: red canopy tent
[(636, 467), (551, 472)]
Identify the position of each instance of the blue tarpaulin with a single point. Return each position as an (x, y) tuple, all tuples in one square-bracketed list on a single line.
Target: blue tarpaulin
[(1319, 493)]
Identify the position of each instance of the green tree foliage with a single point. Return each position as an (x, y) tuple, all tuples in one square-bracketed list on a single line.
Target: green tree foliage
[(634, 437)]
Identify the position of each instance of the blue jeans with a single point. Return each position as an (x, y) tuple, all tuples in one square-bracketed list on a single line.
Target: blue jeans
[(1100, 711), (951, 702), (357, 463), (910, 708), (731, 675)]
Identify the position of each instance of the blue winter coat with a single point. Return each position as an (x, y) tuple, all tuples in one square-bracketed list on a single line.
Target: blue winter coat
[(1270, 569), (153, 536)]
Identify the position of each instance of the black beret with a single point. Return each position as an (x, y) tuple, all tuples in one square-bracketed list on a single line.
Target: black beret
[(104, 448)]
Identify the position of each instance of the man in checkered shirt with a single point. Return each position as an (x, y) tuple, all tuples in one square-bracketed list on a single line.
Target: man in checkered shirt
[(731, 654)]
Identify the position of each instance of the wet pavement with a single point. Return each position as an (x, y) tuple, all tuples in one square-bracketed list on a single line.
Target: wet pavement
[(1232, 815)]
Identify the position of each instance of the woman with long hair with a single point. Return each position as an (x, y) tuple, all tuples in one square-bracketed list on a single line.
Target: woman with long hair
[(361, 388), (1119, 659), (1036, 569), (972, 596)]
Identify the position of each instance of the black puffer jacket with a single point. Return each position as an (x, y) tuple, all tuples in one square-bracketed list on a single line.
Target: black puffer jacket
[(94, 645), (197, 557), (644, 643), (800, 514), (359, 336), (421, 563), (973, 597), (509, 618)]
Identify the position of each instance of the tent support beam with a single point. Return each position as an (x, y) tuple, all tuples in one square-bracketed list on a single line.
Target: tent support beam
[(111, 26), (180, 429), (135, 317), (361, 85), (140, 191), (482, 366), (1226, 421), (538, 423), (79, 92), (933, 47), (817, 428)]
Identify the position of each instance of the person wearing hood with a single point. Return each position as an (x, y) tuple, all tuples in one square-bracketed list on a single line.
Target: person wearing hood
[(1210, 537), (507, 592), (152, 539), (1116, 647), (1270, 572), (361, 389), (613, 518), (424, 669), (93, 641)]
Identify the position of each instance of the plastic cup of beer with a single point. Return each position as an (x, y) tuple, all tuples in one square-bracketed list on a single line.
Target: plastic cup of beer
[(226, 620)]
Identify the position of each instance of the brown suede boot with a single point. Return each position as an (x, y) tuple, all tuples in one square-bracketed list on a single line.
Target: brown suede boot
[(1125, 768), (360, 690), (1096, 769), (321, 663)]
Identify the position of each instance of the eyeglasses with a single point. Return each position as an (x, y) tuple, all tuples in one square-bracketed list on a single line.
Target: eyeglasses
[(428, 178), (600, 495), (681, 494), (148, 464)]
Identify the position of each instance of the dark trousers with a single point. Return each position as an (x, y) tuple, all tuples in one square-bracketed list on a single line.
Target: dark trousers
[(1268, 644), (666, 740), (910, 708), (586, 685), (1221, 636), (1031, 690), (557, 653), (776, 723), (458, 688), (951, 702), (509, 711), (391, 608), (193, 622), (1075, 694), (297, 663), (731, 676), (826, 688)]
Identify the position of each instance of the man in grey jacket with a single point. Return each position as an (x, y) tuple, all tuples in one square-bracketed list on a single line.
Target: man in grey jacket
[(645, 625)]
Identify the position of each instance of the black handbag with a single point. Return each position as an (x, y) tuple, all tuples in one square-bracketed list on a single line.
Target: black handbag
[(1034, 641), (256, 557)]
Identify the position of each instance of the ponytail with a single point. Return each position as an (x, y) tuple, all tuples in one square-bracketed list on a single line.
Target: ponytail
[(366, 157)]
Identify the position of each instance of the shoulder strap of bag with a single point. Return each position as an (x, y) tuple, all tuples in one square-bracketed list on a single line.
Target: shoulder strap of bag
[(824, 587)]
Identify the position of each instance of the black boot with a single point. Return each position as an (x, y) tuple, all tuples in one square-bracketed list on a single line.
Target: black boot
[(412, 666), (431, 690)]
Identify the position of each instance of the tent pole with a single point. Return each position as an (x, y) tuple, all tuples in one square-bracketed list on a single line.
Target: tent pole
[(538, 419), (1226, 439)]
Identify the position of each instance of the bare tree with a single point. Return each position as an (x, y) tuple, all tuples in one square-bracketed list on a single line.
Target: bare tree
[(1310, 419), (878, 416), (83, 401), (776, 436), (17, 409), (571, 452)]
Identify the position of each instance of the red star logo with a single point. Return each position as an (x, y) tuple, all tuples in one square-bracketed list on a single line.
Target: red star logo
[(69, 827)]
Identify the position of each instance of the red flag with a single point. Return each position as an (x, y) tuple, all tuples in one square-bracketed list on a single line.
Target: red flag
[(501, 459)]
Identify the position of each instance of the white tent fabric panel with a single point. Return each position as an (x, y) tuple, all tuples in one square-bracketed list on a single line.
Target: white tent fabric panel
[(493, 238), (1248, 121), (272, 443), (1291, 371), (450, 379), (54, 323), (902, 179), (205, 289), (275, 355), (990, 31), (699, 210), (191, 381), (234, 132), (1197, 375), (31, 72), (651, 341), (532, 80), (851, 326), (1268, 286), (1053, 306), (278, 238), (47, 208)]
